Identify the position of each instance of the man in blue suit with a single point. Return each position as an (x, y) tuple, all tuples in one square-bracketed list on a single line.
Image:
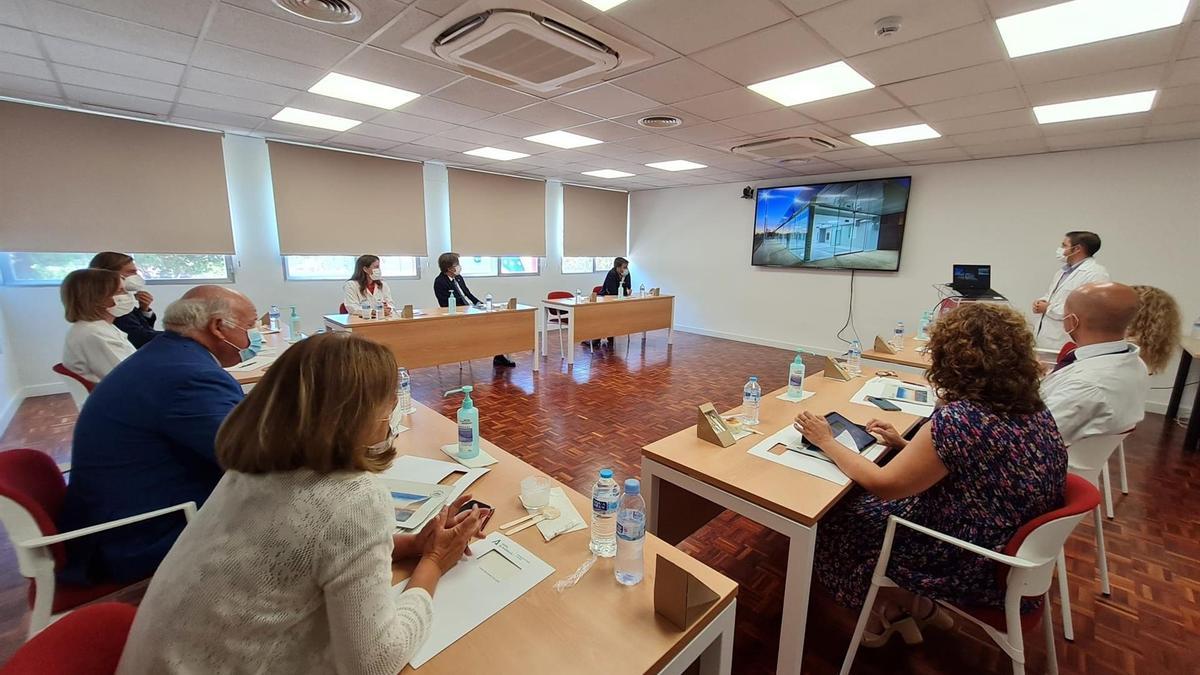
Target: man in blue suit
[(144, 439)]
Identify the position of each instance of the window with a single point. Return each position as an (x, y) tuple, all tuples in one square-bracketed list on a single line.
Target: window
[(341, 267), (45, 269), (491, 266), (587, 265)]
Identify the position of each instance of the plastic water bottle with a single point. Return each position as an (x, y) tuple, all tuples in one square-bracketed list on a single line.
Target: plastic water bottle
[(487, 302), (404, 390), (642, 291), (620, 291), (796, 378), (751, 398), (578, 296), (451, 304), (631, 535), (273, 318), (923, 328), (606, 495), (854, 362), (898, 335), (379, 309), (294, 322), (364, 309)]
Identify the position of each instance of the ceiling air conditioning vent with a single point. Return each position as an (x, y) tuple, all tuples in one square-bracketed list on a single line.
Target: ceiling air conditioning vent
[(324, 11), (782, 149), (524, 48)]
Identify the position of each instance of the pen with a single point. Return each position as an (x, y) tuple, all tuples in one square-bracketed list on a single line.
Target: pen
[(814, 455)]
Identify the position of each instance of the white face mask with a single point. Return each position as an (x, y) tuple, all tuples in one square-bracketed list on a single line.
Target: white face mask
[(135, 283), (1060, 254), (376, 274), (125, 304)]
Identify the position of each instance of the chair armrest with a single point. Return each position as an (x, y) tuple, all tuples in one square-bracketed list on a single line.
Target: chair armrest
[(966, 545), (188, 508)]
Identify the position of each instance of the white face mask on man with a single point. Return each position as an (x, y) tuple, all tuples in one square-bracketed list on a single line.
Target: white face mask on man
[(1060, 254), (124, 305)]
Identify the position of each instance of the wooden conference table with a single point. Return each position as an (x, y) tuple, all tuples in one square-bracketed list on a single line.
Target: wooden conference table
[(436, 336), (610, 316), (908, 357), (687, 481), (253, 370), (598, 626), (1191, 350)]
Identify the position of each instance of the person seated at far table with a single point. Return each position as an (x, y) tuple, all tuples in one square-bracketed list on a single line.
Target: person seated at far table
[(989, 461), (288, 567), (367, 284), (144, 441), (1155, 328), (616, 278), (93, 300), (450, 282), (138, 325), (1100, 387)]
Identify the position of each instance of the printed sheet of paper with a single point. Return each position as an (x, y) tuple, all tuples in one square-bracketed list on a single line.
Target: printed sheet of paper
[(797, 456), (875, 387)]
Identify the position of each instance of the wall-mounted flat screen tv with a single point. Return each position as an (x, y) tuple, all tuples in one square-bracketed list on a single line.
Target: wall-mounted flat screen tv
[(853, 225)]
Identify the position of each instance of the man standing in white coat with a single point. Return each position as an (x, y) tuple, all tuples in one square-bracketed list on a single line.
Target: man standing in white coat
[(1079, 268)]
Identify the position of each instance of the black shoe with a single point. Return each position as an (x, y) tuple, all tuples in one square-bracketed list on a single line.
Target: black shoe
[(502, 361)]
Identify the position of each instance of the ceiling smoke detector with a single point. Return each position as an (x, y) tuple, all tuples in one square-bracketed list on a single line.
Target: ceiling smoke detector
[(887, 26), (659, 121), (323, 11)]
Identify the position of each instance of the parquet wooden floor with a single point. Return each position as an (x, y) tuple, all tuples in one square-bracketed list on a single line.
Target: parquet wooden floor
[(571, 423)]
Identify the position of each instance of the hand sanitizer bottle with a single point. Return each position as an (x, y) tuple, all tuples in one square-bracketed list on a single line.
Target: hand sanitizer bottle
[(468, 426), (451, 304)]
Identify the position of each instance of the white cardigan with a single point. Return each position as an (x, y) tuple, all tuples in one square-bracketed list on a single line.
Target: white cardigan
[(281, 573), (352, 295), (94, 348)]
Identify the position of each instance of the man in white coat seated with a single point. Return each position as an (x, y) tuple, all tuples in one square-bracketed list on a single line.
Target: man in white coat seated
[(1101, 386), (1078, 268)]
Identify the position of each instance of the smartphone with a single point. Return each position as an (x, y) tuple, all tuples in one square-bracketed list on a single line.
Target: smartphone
[(883, 403), (482, 507)]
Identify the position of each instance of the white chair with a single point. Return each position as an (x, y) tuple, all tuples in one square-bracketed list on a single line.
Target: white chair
[(1029, 556), (77, 386), (1088, 459)]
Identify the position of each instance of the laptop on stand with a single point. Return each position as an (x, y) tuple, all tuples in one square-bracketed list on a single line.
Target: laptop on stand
[(974, 282)]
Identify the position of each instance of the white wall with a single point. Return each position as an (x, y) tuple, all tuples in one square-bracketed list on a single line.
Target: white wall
[(37, 329), (10, 388), (1143, 200)]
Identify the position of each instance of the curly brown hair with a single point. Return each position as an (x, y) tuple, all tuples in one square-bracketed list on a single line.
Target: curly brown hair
[(1155, 327), (984, 353)]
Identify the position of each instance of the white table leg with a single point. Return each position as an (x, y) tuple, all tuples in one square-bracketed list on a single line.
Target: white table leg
[(671, 328), (712, 647), (650, 494), (795, 600), (537, 350), (570, 336), (545, 316)]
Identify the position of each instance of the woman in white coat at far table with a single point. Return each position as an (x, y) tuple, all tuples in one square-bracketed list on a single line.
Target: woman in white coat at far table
[(367, 284)]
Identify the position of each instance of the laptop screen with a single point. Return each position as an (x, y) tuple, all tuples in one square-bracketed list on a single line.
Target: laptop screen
[(972, 277)]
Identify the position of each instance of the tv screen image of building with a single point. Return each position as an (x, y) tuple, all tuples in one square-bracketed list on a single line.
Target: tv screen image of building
[(850, 225)]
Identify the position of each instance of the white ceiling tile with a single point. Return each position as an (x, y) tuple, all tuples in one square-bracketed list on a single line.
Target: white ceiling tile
[(865, 164), (212, 56), (611, 151), (1000, 120), (17, 41), (730, 103), (1003, 8), (84, 97), (446, 143), (411, 21), (478, 137), (206, 99), (1186, 71), (780, 50), (1173, 132), (410, 151), (111, 61), (409, 122), (294, 132), (20, 86), (117, 83), (394, 70), (232, 85), (814, 167), (438, 7), (256, 32), (606, 100), (359, 141), (1174, 96), (850, 26), (447, 111), (222, 118), (10, 15), (1132, 51), (850, 105), (1175, 115), (1007, 149), (380, 132), (52, 18), (334, 106), (606, 131), (375, 13), (993, 136), (486, 96), (969, 106), (1095, 125), (703, 133), (511, 126), (552, 115), (801, 7), (674, 81), (1095, 139), (686, 28), (767, 121), (180, 16), (887, 119), (1094, 86), (955, 83), (932, 156), (917, 146), (25, 66), (207, 124), (964, 47)]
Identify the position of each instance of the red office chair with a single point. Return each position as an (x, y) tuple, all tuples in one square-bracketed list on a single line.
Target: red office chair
[(558, 317), (31, 497), (597, 289), (1026, 566), (77, 385), (88, 642), (342, 309)]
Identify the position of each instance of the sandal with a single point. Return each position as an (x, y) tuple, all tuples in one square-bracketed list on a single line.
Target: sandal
[(936, 616), (906, 627)]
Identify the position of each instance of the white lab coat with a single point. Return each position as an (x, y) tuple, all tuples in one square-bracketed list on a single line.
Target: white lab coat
[(1049, 326), (352, 296), (93, 348), (1103, 392)]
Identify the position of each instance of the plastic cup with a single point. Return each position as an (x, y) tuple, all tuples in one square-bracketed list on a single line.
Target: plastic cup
[(535, 492)]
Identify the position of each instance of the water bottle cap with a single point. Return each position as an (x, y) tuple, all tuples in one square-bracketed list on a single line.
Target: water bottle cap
[(633, 486), (606, 473), (754, 378)]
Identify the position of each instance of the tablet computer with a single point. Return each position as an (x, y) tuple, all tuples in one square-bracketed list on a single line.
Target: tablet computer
[(839, 425)]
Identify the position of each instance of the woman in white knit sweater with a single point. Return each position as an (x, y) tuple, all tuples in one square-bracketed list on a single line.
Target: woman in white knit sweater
[(288, 567)]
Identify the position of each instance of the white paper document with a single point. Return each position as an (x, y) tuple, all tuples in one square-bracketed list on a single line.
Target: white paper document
[(799, 458), (498, 572), (424, 470), (875, 386), (568, 519)]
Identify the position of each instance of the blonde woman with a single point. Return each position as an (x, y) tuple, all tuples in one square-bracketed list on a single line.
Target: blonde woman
[(1155, 327), (288, 567), (93, 300)]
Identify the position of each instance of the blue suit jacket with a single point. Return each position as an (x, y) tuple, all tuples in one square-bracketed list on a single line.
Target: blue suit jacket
[(144, 441)]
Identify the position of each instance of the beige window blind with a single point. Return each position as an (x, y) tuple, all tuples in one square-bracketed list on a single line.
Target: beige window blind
[(340, 203), (497, 215), (594, 222), (74, 181)]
